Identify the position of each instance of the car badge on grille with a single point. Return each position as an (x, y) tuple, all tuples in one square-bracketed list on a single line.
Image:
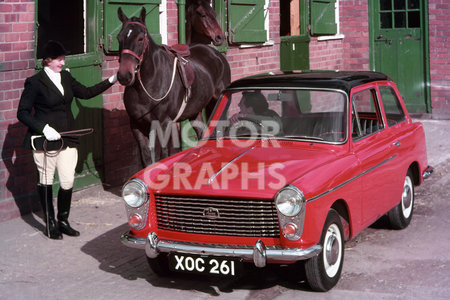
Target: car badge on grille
[(211, 213)]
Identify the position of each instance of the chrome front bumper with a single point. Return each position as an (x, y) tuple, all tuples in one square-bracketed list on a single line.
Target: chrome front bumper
[(259, 253)]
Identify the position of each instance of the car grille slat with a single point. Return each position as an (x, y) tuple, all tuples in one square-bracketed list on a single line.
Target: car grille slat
[(228, 214), (217, 222), (236, 217)]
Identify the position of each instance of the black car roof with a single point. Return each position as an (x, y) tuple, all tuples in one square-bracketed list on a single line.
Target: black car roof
[(342, 80)]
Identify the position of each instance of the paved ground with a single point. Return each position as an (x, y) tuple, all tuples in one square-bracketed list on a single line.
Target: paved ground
[(379, 263)]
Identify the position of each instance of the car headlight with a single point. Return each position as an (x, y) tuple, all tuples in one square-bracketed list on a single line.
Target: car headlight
[(290, 201), (134, 192)]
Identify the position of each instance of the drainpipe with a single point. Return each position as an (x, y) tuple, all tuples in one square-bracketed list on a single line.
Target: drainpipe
[(182, 40), (181, 21)]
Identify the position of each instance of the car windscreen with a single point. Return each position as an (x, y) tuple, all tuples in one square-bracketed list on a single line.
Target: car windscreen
[(301, 114)]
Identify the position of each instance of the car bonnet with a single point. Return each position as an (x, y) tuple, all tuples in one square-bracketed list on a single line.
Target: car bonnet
[(258, 170)]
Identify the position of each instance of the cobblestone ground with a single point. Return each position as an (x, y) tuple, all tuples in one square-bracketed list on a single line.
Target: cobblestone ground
[(379, 263)]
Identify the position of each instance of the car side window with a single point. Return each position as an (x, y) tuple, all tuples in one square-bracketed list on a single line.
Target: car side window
[(392, 108), (366, 117)]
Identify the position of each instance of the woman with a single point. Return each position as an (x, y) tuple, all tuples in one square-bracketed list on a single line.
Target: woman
[(254, 105), (45, 107)]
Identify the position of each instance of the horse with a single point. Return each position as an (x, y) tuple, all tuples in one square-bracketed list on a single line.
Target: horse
[(156, 95), (201, 24)]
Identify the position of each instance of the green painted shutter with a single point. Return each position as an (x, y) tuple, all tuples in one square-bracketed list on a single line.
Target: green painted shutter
[(246, 21), (323, 20), (294, 53), (112, 24)]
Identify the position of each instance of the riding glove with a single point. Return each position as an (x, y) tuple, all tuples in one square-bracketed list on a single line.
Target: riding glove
[(51, 134)]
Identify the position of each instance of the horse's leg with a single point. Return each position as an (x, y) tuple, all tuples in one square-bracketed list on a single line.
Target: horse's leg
[(155, 145), (156, 150), (173, 144), (152, 144), (165, 138), (175, 140), (143, 143)]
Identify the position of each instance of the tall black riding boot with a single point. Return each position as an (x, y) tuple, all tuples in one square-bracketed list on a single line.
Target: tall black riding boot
[(46, 199), (64, 200)]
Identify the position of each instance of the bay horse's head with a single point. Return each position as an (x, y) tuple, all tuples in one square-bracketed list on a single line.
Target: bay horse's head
[(133, 42), (202, 24)]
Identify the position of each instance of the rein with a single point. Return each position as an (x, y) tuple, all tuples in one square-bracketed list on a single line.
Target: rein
[(72, 133), (170, 86), (140, 58)]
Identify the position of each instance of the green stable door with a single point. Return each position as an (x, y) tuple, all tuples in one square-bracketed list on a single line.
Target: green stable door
[(76, 25), (398, 48)]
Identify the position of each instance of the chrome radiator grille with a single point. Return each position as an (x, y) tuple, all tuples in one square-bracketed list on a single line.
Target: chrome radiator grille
[(233, 217)]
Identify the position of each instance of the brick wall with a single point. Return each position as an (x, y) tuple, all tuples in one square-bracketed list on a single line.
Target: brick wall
[(17, 170), (121, 157), (350, 52), (354, 22), (439, 33), (326, 55), (248, 61)]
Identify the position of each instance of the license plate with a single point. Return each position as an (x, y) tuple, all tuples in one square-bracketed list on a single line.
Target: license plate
[(211, 265)]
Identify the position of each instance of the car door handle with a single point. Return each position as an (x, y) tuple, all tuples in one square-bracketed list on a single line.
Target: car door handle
[(397, 144)]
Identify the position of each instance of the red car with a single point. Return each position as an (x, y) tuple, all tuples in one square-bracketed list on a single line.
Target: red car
[(289, 168)]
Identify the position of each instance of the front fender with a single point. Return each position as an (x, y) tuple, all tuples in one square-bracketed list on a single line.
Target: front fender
[(322, 187)]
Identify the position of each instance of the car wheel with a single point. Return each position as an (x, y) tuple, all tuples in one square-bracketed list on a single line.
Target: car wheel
[(400, 216), (324, 270), (159, 265)]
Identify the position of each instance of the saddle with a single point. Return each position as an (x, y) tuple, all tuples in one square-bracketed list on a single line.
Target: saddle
[(184, 68)]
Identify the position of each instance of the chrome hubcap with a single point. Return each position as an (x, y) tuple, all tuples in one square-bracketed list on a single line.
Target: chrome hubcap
[(407, 197), (332, 252)]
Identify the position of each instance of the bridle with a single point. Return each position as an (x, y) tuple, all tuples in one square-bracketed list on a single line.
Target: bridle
[(146, 42), (140, 58)]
